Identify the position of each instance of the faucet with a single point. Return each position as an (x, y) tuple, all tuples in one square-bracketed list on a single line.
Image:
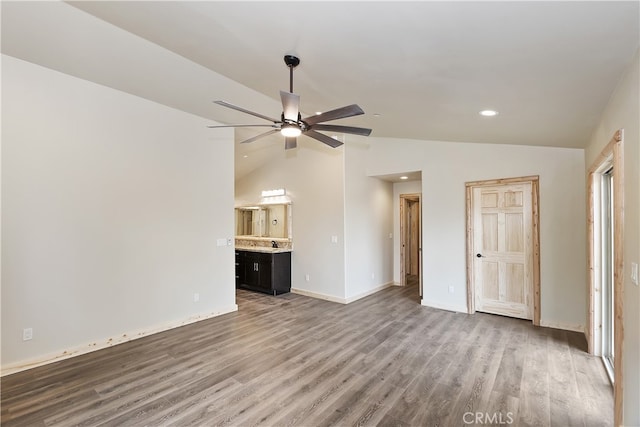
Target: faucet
[(274, 244)]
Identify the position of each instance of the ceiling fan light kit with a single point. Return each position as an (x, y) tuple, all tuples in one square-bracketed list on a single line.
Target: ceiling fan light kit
[(291, 124), (290, 131)]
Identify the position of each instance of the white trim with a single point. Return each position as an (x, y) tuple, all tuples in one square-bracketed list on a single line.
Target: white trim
[(318, 295), (338, 299), (563, 326), (95, 346), (369, 292), (444, 306)]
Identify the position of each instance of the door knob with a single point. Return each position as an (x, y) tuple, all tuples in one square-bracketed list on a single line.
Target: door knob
[(479, 255)]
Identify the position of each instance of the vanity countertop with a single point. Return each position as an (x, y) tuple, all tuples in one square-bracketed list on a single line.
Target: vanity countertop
[(264, 249)]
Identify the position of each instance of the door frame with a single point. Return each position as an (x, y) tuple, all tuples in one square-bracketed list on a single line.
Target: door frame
[(611, 156), (535, 219), (404, 200)]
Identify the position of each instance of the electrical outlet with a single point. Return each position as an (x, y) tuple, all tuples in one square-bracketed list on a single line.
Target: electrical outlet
[(451, 289), (306, 277), (391, 235), (373, 275), (334, 239), (221, 242), (27, 334), (196, 297), (634, 273)]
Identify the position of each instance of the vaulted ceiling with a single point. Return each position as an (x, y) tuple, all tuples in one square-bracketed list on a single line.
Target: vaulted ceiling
[(420, 70)]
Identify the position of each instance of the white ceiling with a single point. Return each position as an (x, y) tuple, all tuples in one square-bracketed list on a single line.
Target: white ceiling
[(427, 68)]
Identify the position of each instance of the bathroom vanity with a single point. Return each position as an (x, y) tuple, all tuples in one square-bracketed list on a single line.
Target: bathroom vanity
[(264, 269), (263, 248)]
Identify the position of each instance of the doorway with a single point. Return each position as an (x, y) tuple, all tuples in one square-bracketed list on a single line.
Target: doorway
[(605, 269), (411, 240), (607, 256), (503, 263)]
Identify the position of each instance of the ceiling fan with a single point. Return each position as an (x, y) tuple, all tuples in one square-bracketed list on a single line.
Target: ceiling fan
[(291, 124)]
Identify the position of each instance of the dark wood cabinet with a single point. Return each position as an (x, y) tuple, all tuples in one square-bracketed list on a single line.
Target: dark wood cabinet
[(263, 271)]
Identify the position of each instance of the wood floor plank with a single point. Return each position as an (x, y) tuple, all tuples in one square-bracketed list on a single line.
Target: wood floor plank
[(534, 390), (296, 361), (594, 389), (563, 385)]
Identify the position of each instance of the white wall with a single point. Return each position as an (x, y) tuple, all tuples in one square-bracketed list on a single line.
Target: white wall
[(409, 187), (111, 209), (623, 112), (313, 176), (446, 166), (368, 223)]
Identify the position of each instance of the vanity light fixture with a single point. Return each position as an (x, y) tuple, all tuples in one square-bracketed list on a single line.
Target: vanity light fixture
[(274, 193), (273, 197), (488, 113), (404, 177)]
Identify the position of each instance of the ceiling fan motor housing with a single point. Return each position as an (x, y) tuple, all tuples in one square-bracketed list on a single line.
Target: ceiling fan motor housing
[(291, 61)]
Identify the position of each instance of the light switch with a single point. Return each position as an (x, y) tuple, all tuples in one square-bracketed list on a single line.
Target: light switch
[(634, 273), (221, 242), (334, 239)]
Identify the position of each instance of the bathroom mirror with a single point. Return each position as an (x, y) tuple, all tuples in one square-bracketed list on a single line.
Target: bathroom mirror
[(268, 221)]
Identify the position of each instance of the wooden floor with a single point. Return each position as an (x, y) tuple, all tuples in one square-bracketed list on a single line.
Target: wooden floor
[(297, 361)]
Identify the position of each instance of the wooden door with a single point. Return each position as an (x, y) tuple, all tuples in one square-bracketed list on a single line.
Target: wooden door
[(503, 249), (413, 236), (410, 238)]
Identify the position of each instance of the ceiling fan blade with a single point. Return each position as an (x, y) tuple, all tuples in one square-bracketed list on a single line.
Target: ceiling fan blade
[(267, 133), (323, 138), (343, 129), (338, 113), (290, 142), (290, 105), (235, 107), (241, 126)]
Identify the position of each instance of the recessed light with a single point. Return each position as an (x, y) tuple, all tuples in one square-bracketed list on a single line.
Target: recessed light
[(245, 156), (318, 113), (376, 114), (488, 113), (404, 177)]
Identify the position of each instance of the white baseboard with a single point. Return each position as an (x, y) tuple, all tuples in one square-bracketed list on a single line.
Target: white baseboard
[(369, 292), (110, 342), (563, 326), (441, 306), (338, 299), (318, 295)]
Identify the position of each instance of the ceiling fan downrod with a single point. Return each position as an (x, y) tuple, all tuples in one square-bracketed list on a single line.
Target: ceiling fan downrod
[(292, 62)]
